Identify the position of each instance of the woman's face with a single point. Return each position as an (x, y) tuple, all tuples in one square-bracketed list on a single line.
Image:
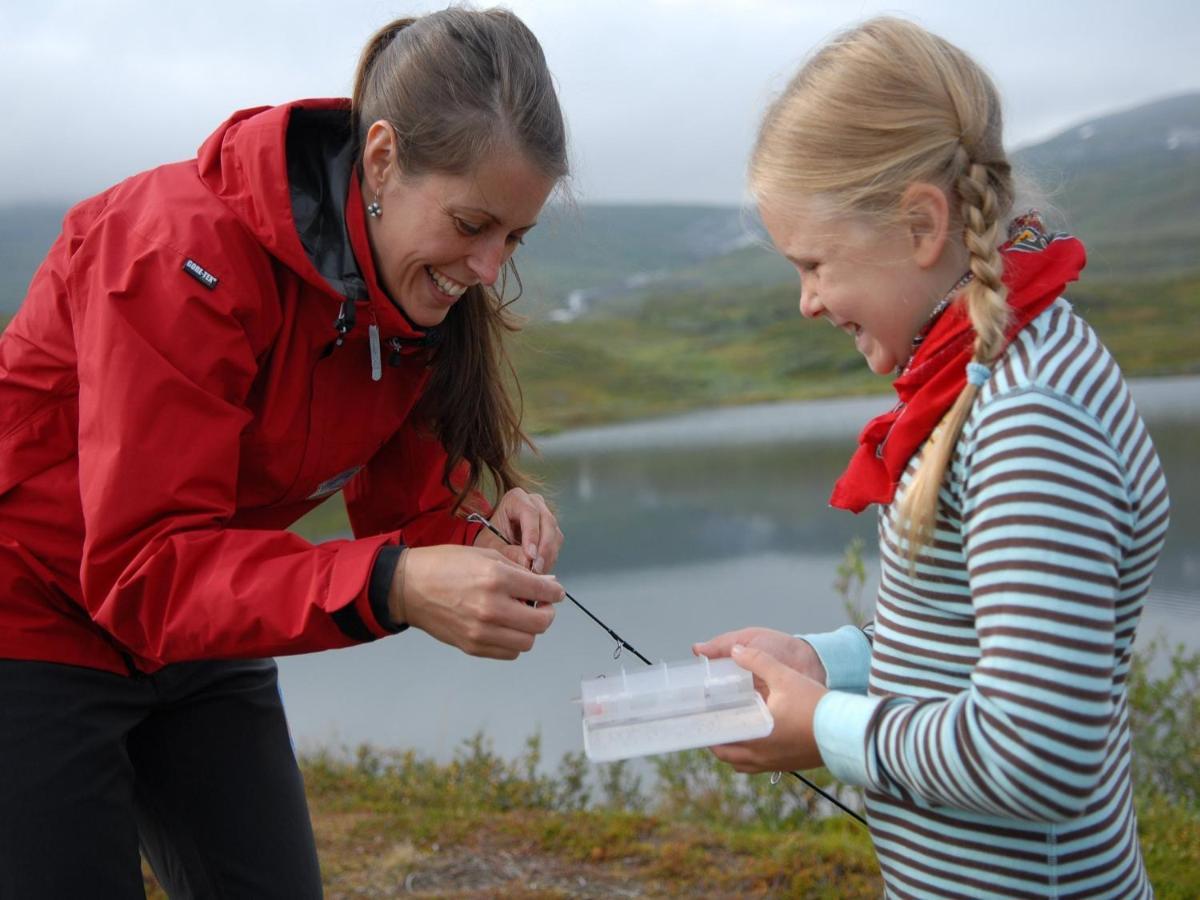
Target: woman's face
[(441, 234), (861, 277)]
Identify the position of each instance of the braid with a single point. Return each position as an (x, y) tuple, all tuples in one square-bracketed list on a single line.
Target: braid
[(987, 307), (985, 295)]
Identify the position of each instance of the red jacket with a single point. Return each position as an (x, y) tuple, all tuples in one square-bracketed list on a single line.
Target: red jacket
[(172, 399)]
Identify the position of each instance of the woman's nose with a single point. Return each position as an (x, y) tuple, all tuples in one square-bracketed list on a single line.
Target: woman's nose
[(488, 259)]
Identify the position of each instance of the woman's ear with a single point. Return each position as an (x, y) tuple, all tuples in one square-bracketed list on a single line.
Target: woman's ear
[(926, 211), (379, 155)]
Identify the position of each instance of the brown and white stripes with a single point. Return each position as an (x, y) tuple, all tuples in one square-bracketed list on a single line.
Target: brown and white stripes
[(994, 740)]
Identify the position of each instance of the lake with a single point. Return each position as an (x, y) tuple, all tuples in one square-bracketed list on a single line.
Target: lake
[(677, 530)]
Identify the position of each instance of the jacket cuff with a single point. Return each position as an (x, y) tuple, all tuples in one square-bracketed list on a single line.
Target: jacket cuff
[(383, 573), (840, 725), (846, 655), (350, 601)]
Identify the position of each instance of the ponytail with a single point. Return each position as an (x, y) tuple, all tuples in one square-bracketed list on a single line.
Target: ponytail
[(378, 43)]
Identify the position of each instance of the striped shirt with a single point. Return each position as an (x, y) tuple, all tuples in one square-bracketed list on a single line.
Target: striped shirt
[(984, 709)]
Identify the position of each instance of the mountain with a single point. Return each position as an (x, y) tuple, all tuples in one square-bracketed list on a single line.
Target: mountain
[(1127, 183)]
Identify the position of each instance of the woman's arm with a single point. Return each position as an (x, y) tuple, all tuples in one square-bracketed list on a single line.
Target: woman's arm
[(165, 365)]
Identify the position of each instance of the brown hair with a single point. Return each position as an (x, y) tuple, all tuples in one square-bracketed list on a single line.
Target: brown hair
[(455, 86), (878, 108)]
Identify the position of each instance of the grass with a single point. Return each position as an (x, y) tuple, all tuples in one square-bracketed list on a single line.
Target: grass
[(391, 822), (482, 826), (388, 823), (719, 347)]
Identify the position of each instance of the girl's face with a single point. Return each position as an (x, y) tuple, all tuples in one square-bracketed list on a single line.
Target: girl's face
[(441, 234), (864, 278)]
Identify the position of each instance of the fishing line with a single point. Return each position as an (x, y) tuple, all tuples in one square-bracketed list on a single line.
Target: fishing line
[(622, 643)]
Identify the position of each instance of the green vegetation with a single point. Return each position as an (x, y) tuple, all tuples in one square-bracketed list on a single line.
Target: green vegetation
[(483, 826), (720, 347), (682, 351), (1149, 325)]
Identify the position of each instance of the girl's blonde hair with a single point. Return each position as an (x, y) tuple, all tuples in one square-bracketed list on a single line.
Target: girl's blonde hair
[(880, 107)]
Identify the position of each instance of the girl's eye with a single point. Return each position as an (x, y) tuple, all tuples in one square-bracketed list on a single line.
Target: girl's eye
[(516, 239), (466, 227)]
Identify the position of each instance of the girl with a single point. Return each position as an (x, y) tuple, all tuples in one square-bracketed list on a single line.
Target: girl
[(1022, 506), (210, 350)]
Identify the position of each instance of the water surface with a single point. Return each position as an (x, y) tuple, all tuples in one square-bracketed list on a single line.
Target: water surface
[(678, 530)]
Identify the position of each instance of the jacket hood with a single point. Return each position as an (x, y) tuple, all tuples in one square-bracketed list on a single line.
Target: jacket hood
[(287, 172)]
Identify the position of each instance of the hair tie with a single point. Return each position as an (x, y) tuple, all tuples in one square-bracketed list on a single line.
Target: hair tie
[(978, 373)]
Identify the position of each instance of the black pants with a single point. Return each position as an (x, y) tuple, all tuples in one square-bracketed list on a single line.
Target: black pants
[(193, 763)]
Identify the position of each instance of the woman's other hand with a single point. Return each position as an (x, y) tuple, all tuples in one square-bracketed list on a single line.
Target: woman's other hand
[(473, 599), (528, 522), (792, 699), (793, 652)]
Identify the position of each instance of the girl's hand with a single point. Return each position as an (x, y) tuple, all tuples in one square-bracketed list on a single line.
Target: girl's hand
[(792, 699), (473, 599), (791, 651), (527, 521)]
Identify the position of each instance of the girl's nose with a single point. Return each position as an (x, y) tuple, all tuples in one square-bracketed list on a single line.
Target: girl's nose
[(810, 306)]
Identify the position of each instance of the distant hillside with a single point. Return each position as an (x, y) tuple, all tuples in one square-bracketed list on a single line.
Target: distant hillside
[(1127, 183)]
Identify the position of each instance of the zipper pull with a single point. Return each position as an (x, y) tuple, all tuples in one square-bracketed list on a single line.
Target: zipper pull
[(344, 321), (376, 355), (395, 358)]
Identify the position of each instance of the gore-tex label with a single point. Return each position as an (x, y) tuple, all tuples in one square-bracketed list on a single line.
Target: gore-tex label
[(202, 275)]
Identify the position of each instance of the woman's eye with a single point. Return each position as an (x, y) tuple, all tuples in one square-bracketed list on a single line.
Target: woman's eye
[(516, 239), (466, 227)]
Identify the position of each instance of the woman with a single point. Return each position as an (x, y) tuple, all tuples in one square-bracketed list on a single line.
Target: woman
[(1022, 505), (210, 350)]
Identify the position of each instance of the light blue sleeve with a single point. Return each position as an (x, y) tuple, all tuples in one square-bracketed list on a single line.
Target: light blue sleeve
[(846, 655)]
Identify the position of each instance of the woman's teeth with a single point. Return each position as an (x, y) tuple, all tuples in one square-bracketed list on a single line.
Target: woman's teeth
[(445, 285)]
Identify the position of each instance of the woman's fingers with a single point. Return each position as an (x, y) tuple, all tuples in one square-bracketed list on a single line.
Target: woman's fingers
[(472, 598), (550, 536), (533, 527)]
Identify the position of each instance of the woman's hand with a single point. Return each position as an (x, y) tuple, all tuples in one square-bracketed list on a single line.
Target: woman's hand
[(527, 521), (792, 699), (473, 599), (791, 651)]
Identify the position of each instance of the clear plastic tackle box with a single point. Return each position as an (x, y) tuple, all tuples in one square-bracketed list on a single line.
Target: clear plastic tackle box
[(669, 707)]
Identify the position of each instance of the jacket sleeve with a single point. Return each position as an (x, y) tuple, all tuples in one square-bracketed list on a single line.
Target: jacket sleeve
[(165, 364), (1046, 522), (401, 489)]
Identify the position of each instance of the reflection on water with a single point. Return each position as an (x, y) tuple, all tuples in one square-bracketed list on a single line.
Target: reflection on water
[(672, 541)]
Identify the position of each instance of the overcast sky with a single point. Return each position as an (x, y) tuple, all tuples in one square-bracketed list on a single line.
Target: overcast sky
[(662, 97)]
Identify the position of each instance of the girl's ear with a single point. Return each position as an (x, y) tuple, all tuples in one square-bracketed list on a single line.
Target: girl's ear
[(379, 155), (926, 211)]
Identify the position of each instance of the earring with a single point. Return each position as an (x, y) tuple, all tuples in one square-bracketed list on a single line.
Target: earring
[(374, 210)]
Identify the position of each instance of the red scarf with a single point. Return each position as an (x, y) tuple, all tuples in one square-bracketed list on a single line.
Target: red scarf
[(1037, 266)]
